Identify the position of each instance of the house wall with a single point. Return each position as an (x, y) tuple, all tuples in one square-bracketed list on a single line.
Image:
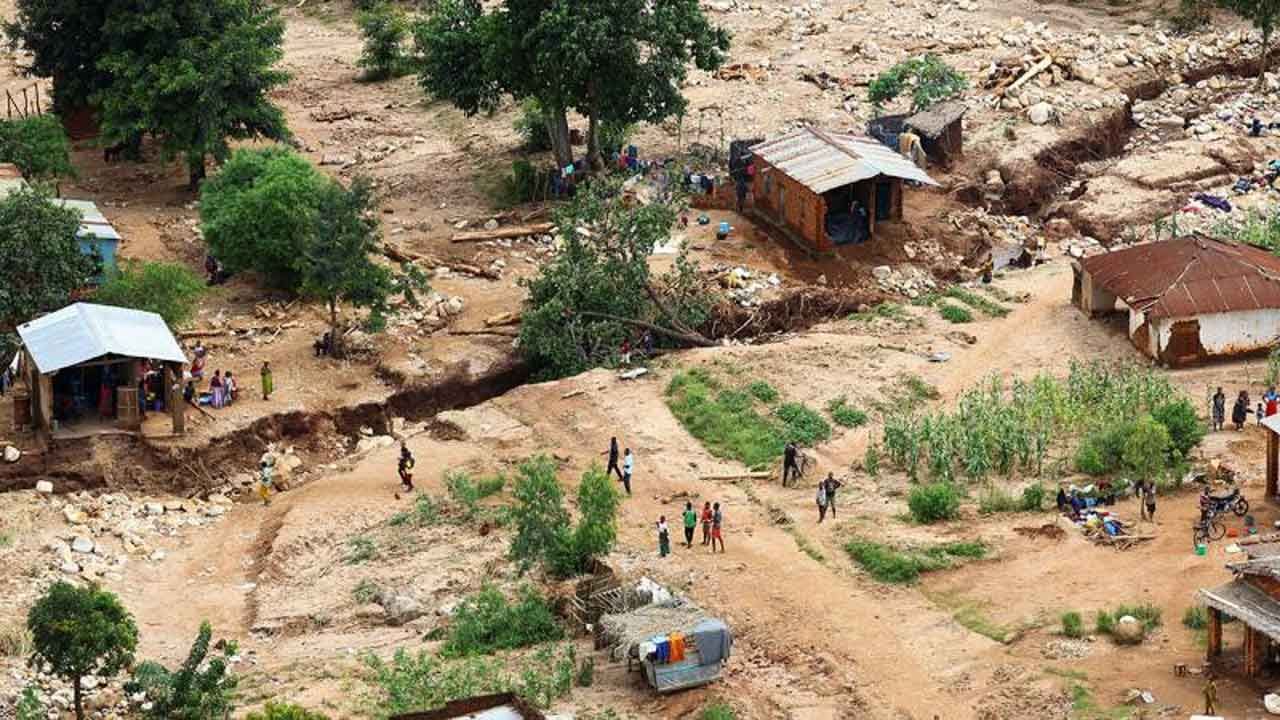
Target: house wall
[(791, 205), (1094, 300), (1225, 334)]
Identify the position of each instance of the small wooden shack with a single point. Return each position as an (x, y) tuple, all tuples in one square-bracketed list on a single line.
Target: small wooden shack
[(829, 189), (92, 367), (1253, 598), (941, 130)]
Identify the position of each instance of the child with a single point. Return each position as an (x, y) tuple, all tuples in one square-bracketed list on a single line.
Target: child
[(664, 539), (264, 483), (717, 521), (706, 524)]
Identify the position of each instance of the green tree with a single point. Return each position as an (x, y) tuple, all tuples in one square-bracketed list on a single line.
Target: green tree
[(929, 79), (167, 289), (81, 631), (538, 513), (38, 145), (29, 706), (43, 265), (258, 213), (65, 40), (384, 27), (1146, 449), (1265, 16), (194, 74), (336, 266), (285, 711), (203, 688), (596, 530), (598, 290), (620, 61)]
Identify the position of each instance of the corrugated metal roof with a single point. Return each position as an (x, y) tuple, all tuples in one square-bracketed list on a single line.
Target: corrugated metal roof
[(83, 331), (934, 121), (1189, 276), (92, 221), (1246, 603), (823, 161)]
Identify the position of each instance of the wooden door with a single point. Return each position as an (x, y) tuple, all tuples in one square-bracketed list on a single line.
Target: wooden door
[(1184, 343), (127, 406)]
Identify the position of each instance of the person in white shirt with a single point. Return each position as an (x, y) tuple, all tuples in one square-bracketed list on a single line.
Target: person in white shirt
[(628, 463)]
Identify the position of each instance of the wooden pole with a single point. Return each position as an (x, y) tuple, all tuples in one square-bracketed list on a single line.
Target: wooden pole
[(1273, 464), (1213, 648), (177, 406)]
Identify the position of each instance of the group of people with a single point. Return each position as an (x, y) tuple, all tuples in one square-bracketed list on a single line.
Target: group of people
[(1242, 409), (712, 519), (628, 466), (224, 389)]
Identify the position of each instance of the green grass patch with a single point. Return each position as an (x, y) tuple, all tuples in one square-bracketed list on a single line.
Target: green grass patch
[(1072, 624), (955, 313), (845, 414), (977, 302), (724, 420), (1003, 295), (763, 391), (1147, 614), (719, 710), (905, 565), (1196, 618), (884, 311), (1078, 675), (802, 424), (918, 389), (365, 591), (974, 617), (467, 492), (361, 549), (805, 545), (1085, 707)]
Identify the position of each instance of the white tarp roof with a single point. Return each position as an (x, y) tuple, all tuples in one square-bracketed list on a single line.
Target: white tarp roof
[(823, 161), (92, 221), (83, 331)]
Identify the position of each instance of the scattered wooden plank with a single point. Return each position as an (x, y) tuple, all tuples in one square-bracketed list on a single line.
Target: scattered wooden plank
[(503, 233), (192, 334), (573, 394), (758, 475), (1035, 70)]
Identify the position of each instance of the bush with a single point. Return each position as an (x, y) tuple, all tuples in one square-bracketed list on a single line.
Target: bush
[(934, 503), (719, 710), (29, 706), (1072, 624), (531, 125), (802, 425), (1146, 449), (1195, 618), (384, 28), (468, 493), (38, 146), (168, 289), (929, 78), (891, 565), (1183, 426), (203, 688), (526, 183), (361, 549), (1104, 622), (845, 414), (538, 513), (365, 592), (995, 499), (871, 460), (955, 313), (1147, 614), (1033, 497), (486, 622), (284, 711), (763, 391)]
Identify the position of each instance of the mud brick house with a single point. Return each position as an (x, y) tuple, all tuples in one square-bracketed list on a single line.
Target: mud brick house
[(1253, 598), (828, 189), (1188, 299), (68, 357)]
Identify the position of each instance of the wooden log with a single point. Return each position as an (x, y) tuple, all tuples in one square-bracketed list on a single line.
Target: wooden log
[(1035, 70), (190, 334), (505, 318), (757, 475), (503, 233)]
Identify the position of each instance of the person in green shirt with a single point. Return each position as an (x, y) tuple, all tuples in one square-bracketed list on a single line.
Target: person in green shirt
[(690, 522)]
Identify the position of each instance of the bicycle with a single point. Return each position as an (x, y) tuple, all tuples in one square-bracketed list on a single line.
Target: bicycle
[(1208, 529)]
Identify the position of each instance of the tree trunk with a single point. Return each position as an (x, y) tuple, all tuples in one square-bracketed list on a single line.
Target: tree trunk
[(1262, 68), (79, 704), (558, 129), (688, 338), (594, 157), (196, 169), (335, 337)]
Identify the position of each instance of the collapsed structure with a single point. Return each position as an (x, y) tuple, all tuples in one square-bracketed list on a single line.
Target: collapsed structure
[(1188, 299)]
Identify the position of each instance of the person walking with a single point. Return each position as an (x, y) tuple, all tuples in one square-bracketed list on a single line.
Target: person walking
[(822, 500), (664, 538), (1219, 410), (1241, 410), (717, 527), (628, 464), (265, 474), (229, 388), (706, 524), (1210, 695), (690, 522), (613, 458), (268, 382), (789, 466), (406, 464), (831, 485), (1149, 500)]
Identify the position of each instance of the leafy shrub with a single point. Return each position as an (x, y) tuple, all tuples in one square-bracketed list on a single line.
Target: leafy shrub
[(929, 78), (597, 528), (384, 27), (468, 492), (802, 425), (1104, 622), (763, 391), (1195, 618), (486, 622), (871, 460), (531, 125), (365, 592), (38, 146), (1072, 624), (1146, 449), (845, 414), (719, 710), (995, 499), (1183, 426), (538, 513), (526, 183), (284, 711), (361, 549), (892, 565), (168, 289), (955, 313), (934, 502), (203, 688), (1033, 497), (29, 706)]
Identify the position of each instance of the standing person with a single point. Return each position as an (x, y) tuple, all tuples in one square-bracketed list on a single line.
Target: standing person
[(405, 465), (215, 387), (1219, 409), (822, 500), (1240, 411), (198, 357), (789, 466), (268, 382), (706, 524), (1149, 500), (229, 387), (628, 464), (690, 522), (717, 527), (831, 485), (613, 458), (1210, 696), (1272, 400), (189, 392), (664, 538), (264, 482)]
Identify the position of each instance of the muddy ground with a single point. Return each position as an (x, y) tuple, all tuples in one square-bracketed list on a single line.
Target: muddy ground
[(818, 638)]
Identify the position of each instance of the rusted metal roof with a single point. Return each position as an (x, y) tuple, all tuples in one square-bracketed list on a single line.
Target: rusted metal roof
[(1246, 603), (933, 122), (823, 161), (1189, 276)]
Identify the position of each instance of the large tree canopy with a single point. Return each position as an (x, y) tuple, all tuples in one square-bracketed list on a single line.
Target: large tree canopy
[(65, 40), (617, 61)]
